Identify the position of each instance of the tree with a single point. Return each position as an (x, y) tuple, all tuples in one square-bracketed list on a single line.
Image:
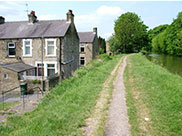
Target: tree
[(157, 30), (130, 33), (102, 45), (168, 38), (173, 36), (114, 45)]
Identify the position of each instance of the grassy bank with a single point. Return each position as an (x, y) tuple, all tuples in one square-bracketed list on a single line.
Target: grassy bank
[(154, 98), (63, 111)]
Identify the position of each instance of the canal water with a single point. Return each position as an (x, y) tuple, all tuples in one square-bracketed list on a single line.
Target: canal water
[(171, 63)]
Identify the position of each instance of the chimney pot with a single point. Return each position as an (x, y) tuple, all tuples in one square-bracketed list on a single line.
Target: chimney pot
[(70, 16), (32, 12), (2, 20), (32, 17), (95, 30)]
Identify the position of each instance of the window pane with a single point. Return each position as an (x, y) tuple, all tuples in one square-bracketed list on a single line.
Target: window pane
[(27, 50), (50, 50), (82, 49), (82, 62), (50, 42), (11, 45), (27, 43), (50, 72), (50, 65), (12, 51)]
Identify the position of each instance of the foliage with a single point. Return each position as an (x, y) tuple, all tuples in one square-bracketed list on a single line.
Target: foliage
[(155, 93), (102, 45), (170, 39), (131, 34), (155, 31), (114, 45), (63, 111), (36, 81)]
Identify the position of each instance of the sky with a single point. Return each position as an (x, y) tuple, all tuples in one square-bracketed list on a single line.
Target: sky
[(90, 14)]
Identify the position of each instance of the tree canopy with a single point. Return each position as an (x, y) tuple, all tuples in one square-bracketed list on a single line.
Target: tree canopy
[(130, 34), (169, 40)]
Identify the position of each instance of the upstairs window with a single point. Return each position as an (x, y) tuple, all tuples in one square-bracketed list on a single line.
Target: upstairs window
[(82, 61), (50, 47), (11, 50), (27, 47), (82, 48)]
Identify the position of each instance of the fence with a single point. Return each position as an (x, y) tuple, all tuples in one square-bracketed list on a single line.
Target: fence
[(14, 96)]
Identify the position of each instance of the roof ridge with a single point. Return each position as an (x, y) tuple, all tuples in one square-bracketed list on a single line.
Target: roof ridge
[(38, 21)]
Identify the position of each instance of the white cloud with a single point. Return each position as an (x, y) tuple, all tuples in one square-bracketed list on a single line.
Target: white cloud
[(108, 10), (47, 17), (12, 11), (107, 35), (103, 18)]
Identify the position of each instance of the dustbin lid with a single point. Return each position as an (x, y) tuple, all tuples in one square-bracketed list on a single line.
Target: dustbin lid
[(23, 83)]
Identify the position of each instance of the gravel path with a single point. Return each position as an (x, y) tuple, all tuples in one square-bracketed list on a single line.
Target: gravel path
[(117, 124)]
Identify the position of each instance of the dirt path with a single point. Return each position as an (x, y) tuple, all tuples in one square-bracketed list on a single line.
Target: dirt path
[(99, 113), (117, 124)]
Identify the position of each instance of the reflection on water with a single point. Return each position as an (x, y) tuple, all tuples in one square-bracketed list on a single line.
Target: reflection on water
[(172, 63)]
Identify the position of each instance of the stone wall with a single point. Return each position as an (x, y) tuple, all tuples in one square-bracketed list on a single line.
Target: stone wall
[(4, 50), (69, 52), (91, 50), (10, 82)]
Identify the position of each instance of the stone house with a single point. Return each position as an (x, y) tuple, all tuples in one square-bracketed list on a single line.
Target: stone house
[(89, 46), (50, 48)]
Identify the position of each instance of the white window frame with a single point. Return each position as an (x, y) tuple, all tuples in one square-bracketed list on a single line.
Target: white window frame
[(27, 55), (45, 66), (11, 47), (5, 76), (46, 48), (82, 46), (82, 59)]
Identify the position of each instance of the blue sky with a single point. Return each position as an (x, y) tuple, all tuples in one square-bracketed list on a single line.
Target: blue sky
[(89, 14)]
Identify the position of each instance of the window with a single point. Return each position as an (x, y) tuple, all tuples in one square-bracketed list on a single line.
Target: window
[(82, 60), (50, 47), (5, 76), (11, 50), (82, 48), (50, 69), (40, 69), (27, 47)]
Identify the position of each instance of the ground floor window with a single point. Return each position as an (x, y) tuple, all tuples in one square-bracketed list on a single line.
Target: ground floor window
[(82, 60), (50, 69), (40, 69)]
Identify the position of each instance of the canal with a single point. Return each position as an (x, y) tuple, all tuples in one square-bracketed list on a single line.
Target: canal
[(171, 63)]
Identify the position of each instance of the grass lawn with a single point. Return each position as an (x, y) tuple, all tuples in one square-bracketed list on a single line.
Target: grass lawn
[(63, 111), (153, 93), (7, 105)]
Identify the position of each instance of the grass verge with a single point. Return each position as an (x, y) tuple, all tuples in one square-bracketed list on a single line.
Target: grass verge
[(63, 111), (154, 93), (7, 105)]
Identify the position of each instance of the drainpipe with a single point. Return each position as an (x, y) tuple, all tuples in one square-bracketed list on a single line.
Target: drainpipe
[(42, 63), (60, 58)]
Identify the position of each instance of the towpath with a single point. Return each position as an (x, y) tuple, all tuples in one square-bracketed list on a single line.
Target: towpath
[(117, 123)]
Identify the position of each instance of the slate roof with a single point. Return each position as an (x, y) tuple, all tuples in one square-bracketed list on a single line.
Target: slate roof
[(86, 36), (24, 29), (17, 67)]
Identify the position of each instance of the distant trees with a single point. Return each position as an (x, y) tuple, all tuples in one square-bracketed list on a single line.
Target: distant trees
[(102, 45), (130, 34), (168, 38)]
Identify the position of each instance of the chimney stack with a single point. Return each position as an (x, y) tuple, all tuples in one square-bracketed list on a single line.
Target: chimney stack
[(2, 20), (70, 16), (95, 30), (32, 17)]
